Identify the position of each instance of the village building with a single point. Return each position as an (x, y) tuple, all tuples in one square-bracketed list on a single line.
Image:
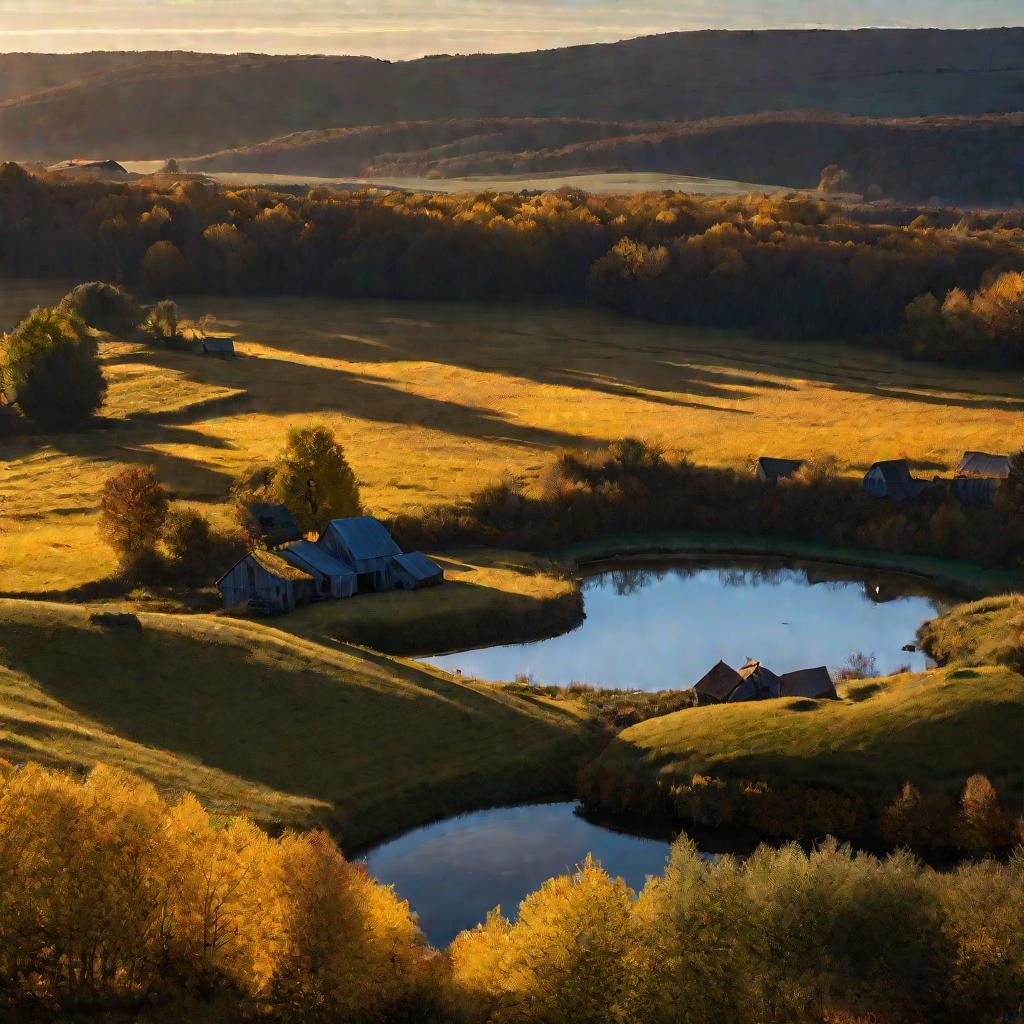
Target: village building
[(363, 543), (718, 685), (815, 683), (333, 578), (413, 571), (892, 479), (983, 466), (221, 345), (273, 524), (267, 582), (771, 471)]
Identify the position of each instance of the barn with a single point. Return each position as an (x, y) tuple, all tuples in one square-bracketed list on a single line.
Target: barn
[(333, 578), (771, 471), (815, 683), (363, 543), (892, 479), (983, 466), (718, 685), (414, 570), (265, 580)]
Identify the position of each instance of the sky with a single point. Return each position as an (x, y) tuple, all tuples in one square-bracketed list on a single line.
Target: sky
[(402, 29)]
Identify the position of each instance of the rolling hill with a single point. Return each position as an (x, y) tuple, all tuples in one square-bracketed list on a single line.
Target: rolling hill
[(153, 105)]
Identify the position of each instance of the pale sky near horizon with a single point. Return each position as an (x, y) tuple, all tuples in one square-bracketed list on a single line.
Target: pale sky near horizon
[(402, 29)]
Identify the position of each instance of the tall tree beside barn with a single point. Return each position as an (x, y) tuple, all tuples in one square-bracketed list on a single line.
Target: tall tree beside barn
[(314, 479), (133, 510)]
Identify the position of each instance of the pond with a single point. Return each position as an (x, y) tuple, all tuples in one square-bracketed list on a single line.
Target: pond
[(654, 626), (455, 871)]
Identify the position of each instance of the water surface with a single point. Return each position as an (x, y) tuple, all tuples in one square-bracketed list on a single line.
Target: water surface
[(655, 626), (455, 871)]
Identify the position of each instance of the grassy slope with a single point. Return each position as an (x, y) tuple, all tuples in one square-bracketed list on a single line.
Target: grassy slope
[(474, 392), (985, 632), (938, 727), (254, 720)]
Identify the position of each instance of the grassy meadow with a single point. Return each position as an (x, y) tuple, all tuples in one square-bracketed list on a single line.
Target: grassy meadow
[(432, 401), (257, 721)]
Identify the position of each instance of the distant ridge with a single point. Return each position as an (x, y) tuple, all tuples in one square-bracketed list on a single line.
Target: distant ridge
[(151, 105)]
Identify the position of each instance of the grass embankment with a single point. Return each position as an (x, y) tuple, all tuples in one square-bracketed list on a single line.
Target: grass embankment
[(259, 722), (990, 631), (434, 401), (489, 596)]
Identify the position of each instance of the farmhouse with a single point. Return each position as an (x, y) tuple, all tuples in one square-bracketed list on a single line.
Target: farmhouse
[(892, 479), (264, 579), (333, 578), (273, 524), (771, 471), (362, 543)]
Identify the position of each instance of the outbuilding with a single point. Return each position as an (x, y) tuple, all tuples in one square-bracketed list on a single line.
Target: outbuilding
[(771, 471), (892, 479), (983, 466), (333, 578), (718, 685), (414, 570), (220, 345), (273, 523), (265, 580), (815, 683), (759, 683), (363, 543)]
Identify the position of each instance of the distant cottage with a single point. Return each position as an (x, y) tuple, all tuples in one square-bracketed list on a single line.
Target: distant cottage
[(724, 685), (771, 471), (892, 479), (268, 583), (222, 345)]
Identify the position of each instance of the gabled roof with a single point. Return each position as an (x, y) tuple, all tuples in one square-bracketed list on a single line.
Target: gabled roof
[(719, 682), (894, 470), (776, 469), (899, 484), (274, 522), (418, 566), (808, 682), (218, 343), (364, 537), (758, 683), (982, 464), (306, 554)]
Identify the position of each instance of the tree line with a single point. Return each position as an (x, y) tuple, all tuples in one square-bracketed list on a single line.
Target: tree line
[(117, 904), (795, 267)]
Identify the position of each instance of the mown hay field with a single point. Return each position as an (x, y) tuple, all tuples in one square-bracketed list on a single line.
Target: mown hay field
[(433, 400)]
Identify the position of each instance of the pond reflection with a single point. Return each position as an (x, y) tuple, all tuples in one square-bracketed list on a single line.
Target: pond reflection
[(654, 626)]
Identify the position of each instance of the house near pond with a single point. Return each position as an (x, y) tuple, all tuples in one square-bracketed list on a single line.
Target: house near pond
[(725, 685), (892, 479), (352, 556), (771, 471)]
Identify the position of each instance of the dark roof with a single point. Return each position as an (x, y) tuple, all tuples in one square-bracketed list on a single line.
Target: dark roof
[(899, 484), (759, 683), (273, 521), (808, 682), (982, 464), (78, 164), (719, 683), (776, 469), (418, 566), (306, 554), (218, 343), (364, 537), (894, 470)]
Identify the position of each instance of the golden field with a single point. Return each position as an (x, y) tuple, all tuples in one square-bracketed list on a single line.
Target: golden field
[(432, 401)]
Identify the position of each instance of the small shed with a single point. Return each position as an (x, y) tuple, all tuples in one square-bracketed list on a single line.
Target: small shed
[(815, 683), (274, 523), (220, 345), (333, 578), (892, 479), (983, 466), (363, 543), (718, 685), (771, 471), (414, 570), (759, 683), (264, 578)]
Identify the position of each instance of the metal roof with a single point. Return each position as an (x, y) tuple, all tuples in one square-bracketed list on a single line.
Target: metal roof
[(306, 553), (417, 565), (982, 464), (364, 537), (808, 682), (719, 682)]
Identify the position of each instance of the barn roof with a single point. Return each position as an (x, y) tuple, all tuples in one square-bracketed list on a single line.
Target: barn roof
[(894, 470), (275, 522), (418, 566), (276, 565), (808, 682), (899, 484), (777, 469), (758, 683), (306, 553), (719, 682), (982, 464), (364, 537)]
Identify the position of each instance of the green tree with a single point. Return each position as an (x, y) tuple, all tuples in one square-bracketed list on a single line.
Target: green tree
[(314, 480), (49, 366), (133, 509)]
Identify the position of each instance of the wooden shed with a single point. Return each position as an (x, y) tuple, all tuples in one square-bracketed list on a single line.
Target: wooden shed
[(815, 683), (333, 578), (771, 471), (267, 581), (414, 571), (718, 685), (892, 479), (364, 544)]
